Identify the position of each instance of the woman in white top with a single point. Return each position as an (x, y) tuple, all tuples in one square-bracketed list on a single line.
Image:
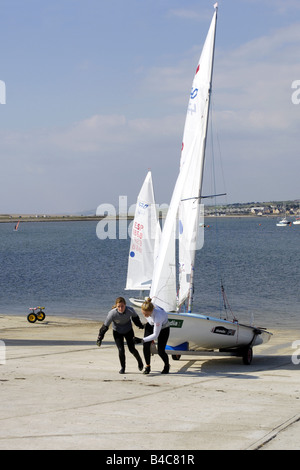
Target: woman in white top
[(157, 327)]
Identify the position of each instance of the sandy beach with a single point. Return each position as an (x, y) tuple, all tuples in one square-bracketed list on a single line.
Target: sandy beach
[(60, 391)]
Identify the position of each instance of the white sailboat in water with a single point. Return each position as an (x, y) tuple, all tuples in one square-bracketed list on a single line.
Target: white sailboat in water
[(145, 236), (284, 223), (194, 331)]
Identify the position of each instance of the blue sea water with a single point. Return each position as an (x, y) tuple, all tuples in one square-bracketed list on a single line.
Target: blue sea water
[(66, 268)]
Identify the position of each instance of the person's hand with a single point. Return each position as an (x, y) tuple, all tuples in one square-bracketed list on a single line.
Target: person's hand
[(137, 340), (99, 342)]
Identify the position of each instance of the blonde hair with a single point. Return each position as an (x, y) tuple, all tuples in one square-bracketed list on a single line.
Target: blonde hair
[(148, 305)]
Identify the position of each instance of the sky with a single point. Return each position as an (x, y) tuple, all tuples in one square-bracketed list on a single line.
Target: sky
[(94, 93)]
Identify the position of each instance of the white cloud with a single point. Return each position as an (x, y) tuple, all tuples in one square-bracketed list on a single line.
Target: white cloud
[(253, 82), (85, 163), (281, 7), (191, 14)]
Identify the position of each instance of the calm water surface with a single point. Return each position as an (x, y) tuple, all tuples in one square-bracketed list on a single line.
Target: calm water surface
[(67, 269)]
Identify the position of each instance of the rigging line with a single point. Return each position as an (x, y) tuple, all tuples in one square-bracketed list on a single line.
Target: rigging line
[(221, 164), (213, 177), (226, 303), (224, 296)]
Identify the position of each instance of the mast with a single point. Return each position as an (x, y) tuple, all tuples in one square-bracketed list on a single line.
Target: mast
[(187, 191), (191, 290), (195, 136), (209, 97)]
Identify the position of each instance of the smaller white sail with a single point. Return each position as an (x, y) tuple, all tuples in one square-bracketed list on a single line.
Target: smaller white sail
[(145, 237)]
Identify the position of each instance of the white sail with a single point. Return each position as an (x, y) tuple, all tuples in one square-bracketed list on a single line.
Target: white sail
[(192, 332), (187, 189), (144, 238), (193, 153)]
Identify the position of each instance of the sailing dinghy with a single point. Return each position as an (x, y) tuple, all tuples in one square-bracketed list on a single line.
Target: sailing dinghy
[(191, 332), (145, 236)]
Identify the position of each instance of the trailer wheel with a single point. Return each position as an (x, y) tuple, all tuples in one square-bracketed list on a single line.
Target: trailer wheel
[(31, 318), (41, 316), (247, 356), (176, 357)]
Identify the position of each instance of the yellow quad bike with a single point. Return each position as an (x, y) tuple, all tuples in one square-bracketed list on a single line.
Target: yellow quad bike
[(36, 313)]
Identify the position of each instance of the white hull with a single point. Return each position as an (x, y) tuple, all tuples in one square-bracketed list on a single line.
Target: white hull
[(207, 333), (296, 222), (284, 223), (137, 302)]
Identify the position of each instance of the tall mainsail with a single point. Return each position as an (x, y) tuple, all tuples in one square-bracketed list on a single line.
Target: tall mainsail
[(193, 153), (145, 236), (187, 192)]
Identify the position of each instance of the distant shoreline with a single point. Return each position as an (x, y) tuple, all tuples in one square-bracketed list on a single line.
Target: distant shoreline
[(69, 218), (50, 218)]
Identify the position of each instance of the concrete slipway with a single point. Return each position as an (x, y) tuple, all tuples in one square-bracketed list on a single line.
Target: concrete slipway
[(59, 391)]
